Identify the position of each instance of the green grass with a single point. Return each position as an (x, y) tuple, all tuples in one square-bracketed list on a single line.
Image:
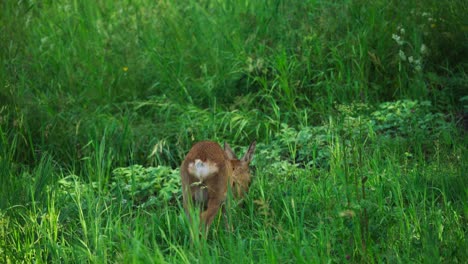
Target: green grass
[(358, 108)]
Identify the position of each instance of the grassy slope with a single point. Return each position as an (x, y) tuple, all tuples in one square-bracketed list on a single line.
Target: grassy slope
[(89, 86)]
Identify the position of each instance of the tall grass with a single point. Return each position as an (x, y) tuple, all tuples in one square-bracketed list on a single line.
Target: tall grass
[(358, 108)]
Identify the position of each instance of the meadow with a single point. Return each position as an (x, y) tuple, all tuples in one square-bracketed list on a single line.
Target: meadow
[(359, 109)]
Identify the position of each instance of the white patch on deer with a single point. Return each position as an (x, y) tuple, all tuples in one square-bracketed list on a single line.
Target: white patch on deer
[(202, 170)]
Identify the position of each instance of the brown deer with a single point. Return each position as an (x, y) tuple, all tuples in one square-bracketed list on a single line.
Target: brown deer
[(206, 173)]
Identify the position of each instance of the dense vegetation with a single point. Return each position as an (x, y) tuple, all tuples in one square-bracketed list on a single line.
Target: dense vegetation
[(359, 109)]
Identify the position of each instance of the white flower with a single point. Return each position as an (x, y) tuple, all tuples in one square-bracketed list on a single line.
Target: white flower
[(397, 39), (250, 67), (417, 65), (259, 63), (402, 55), (410, 59), (423, 49)]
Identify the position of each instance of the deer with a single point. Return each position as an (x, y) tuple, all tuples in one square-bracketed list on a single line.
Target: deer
[(207, 172)]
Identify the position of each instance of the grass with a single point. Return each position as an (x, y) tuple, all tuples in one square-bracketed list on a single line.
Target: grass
[(358, 109)]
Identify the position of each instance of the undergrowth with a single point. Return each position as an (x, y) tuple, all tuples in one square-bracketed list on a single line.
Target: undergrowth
[(359, 110)]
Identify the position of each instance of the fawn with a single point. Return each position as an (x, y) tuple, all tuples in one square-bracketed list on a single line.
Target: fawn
[(206, 173)]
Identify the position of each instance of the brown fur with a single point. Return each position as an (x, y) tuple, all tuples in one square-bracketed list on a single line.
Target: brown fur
[(219, 169), (240, 182)]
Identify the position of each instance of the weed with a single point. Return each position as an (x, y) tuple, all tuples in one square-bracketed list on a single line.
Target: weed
[(359, 110)]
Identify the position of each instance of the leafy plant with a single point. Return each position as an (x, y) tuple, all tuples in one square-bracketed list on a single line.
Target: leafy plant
[(352, 104), (407, 118), (134, 185), (148, 186), (307, 145)]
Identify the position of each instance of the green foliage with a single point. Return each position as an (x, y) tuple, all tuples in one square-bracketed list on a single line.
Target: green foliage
[(409, 119), (307, 145), (358, 108), (152, 186), (406, 119), (138, 186)]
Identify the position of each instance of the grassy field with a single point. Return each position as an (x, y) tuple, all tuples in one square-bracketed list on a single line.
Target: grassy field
[(358, 107)]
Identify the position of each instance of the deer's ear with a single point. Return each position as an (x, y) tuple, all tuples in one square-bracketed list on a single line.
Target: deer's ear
[(227, 149), (250, 152)]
